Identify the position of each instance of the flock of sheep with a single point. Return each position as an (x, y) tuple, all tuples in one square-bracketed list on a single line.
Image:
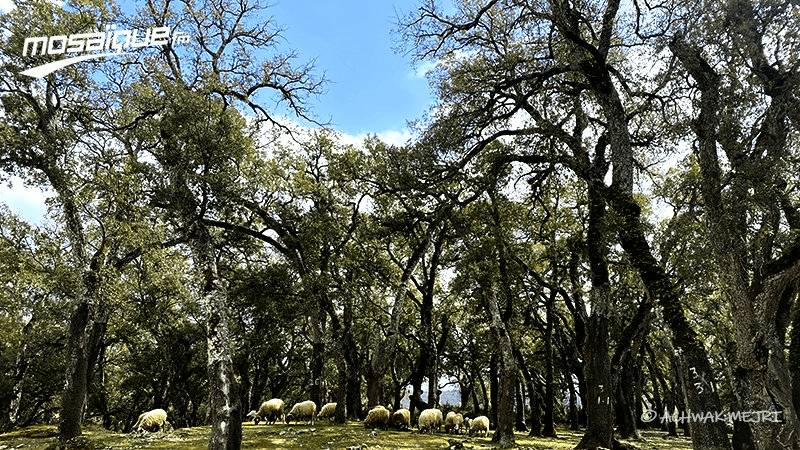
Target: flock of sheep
[(429, 420), (271, 411)]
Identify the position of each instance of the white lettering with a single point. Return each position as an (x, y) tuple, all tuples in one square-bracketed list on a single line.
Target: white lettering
[(34, 42), (134, 41), (53, 49), (160, 36)]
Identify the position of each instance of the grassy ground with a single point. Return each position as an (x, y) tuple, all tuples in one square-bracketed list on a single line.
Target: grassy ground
[(321, 436)]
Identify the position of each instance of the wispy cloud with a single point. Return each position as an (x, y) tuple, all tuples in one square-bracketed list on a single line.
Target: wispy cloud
[(422, 69), (28, 202)]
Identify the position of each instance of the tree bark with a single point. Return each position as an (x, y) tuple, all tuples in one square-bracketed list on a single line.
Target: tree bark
[(224, 400), (504, 431), (599, 412), (74, 397), (761, 377)]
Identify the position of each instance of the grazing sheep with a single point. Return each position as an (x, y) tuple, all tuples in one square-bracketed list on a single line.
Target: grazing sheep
[(467, 424), (377, 417), (480, 424), (327, 411), (154, 420), (401, 419), (453, 422), (302, 410), (269, 412), (429, 420), (439, 419)]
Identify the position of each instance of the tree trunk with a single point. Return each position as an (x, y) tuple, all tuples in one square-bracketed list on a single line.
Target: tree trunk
[(794, 356), (507, 373), (533, 395), (519, 418), (599, 412), (572, 415), (549, 379), (73, 401), (494, 386), (21, 368), (224, 406), (384, 348), (625, 394), (74, 397), (706, 435), (761, 377), (317, 358)]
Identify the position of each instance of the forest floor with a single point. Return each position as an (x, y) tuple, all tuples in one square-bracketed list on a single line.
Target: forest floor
[(319, 437)]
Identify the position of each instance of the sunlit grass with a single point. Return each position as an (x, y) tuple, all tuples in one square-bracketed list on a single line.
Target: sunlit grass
[(322, 435)]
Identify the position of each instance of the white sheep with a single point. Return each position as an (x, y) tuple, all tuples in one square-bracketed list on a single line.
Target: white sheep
[(327, 411), (270, 411), (467, 424), (154, 420), (480, 424), (303, 410), (439, 419), (453, 422), (377, 417), (401, 419), (429, 420)]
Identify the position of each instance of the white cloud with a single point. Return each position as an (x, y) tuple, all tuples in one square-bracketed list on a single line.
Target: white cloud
[(6, 6), (28, 202), (391, 137), (422, 69)]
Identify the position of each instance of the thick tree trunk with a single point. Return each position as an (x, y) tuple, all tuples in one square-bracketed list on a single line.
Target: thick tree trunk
[(352, 381), (507, 374), (761, 377), (599, 410), (625, 404), (73, 401), (710, 435), (225, 409), (74, 397)]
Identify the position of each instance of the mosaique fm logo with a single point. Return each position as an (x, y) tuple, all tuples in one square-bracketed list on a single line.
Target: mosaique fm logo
[(95, 45)]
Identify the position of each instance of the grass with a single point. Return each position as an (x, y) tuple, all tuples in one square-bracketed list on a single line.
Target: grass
[(321, 436)]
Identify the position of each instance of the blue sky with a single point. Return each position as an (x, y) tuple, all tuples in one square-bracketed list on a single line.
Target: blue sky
[(372, 89)]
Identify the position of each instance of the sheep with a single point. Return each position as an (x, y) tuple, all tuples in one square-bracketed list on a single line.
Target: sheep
[(401, 419), (480, 424), (439, 419), (377, 417), (467, 424), (327, 411), (429, 420), (453, 422), (154, 420), (270, 411), (302, 410)]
